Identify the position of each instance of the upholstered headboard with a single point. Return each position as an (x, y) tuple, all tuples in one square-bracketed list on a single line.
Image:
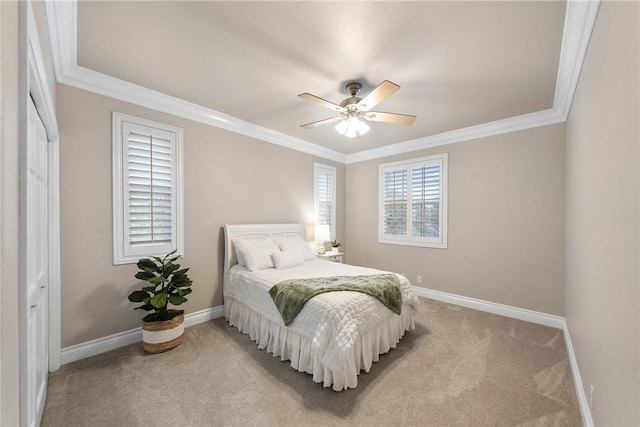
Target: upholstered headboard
[(254, 231)]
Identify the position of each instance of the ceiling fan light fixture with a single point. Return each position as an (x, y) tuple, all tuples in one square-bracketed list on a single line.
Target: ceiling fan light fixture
[(352, 110), (352, 127)]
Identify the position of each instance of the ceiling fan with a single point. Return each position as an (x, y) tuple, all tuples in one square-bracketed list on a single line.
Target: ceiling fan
[(354, 108)]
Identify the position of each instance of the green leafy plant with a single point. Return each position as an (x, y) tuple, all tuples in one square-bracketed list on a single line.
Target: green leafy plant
[(336, 244), (168, 284)]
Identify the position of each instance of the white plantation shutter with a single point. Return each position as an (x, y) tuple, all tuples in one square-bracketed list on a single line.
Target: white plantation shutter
[(148, 203), (425, 201), (325, 196), (413, 202), (395, 191), (150, 188)]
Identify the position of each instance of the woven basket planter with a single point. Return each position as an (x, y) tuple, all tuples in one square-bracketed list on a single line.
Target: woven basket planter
[(158, 337)]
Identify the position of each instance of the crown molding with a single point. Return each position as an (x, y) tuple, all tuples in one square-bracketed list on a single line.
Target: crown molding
[(93, 81), (498, 127), (580, 17), (62, 20)]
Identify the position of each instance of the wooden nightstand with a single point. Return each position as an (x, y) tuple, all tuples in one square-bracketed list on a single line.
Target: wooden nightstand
[(331, 256)]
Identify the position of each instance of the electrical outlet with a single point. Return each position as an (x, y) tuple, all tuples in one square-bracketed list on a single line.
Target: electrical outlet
[(419, 279), (591, 396)]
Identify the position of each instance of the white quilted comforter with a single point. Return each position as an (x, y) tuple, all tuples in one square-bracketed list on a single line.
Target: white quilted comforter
[(334, 322)]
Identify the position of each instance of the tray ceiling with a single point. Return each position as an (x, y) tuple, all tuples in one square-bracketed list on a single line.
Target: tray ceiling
[(459, 64)]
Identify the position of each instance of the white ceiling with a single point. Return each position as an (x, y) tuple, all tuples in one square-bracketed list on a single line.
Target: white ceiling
[(459, 64)]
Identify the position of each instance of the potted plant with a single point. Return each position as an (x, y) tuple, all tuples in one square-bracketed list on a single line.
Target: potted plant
[(166, 283), (335, 245)]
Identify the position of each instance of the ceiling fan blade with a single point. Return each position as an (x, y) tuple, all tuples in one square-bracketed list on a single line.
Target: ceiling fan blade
[(376, 96), (394, 118), (322, 102), (322, 122)]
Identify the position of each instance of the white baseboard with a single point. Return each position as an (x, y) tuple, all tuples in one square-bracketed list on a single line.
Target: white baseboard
[(545, 319), (587, 420), (492, 307), (102, 345), (202, 316), (111, 342)]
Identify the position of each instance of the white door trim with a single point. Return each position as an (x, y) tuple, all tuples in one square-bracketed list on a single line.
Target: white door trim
[(38, 89), (33, 83)]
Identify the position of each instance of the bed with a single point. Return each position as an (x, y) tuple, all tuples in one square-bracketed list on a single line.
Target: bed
[(336, 334)]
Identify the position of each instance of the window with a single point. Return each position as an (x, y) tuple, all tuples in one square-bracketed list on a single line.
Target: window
[(325, 196), (147, 189), (413, 202)]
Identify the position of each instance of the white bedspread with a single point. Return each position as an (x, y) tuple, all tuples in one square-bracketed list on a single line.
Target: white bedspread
[(333, 322)]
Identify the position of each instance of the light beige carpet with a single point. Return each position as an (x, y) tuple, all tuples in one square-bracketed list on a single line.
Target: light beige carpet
[(458, 367)]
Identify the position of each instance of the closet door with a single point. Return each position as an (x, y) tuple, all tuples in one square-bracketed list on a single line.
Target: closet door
[(37, 267)]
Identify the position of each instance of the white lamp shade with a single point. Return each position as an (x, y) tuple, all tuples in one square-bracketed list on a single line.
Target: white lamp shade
[(322, 233), (352, 127)]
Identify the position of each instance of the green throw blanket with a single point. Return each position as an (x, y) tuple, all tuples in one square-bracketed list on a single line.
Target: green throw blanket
[(290, 296)]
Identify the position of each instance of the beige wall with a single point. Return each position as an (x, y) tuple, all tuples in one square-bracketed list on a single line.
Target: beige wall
[(506, 221), (9, 262), (229, 178), (602, 296)]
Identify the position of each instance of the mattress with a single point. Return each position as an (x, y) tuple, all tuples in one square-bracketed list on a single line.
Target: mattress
[(335, 336)]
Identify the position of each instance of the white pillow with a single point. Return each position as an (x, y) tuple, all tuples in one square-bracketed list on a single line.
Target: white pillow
[(258, 258), (242, 244), (284, 260), (296, 245)]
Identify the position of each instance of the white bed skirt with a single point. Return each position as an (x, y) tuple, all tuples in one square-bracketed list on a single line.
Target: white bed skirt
[(290, 345)]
